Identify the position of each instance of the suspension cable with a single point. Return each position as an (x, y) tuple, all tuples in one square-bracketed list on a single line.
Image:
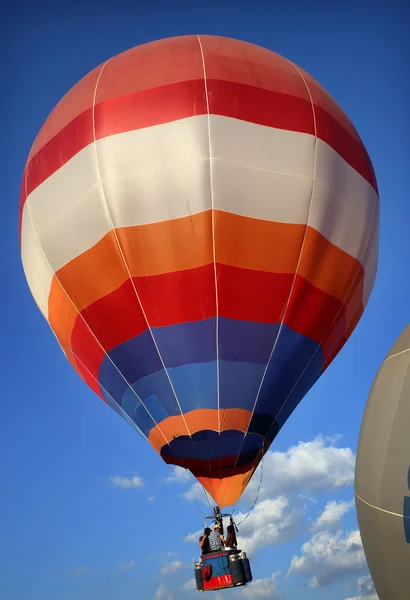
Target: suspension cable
[(257, 495), (206, 496)]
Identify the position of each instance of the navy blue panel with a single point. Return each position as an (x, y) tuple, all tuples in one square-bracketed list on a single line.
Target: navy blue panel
[(406, 511), (182, 446), (142, 419), (238, 384), (156, 385), (188, 351), (195, 385), (145, 418), (406, 518), (135, 358), (290, 361), (245, 341), (208, 445), (307, 380), (252, 444), (110, 379), (260, 423), (187, 343), (183, 344)]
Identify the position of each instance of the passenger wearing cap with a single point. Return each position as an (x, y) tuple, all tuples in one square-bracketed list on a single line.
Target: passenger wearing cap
[(216, 540)]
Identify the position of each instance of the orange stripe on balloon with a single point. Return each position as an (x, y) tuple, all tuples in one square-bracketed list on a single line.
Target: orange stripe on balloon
[(94, 273), (257, 244), (62, 317), (327, 267), (151, 249), (275, 247), (197, 420), (168, 246), (186, 243), (61, 312)]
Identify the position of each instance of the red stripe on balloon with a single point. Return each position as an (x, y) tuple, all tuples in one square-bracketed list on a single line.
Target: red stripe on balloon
[(60, 149), (188, 296), (311, 312), (186, 99), (88, 352)]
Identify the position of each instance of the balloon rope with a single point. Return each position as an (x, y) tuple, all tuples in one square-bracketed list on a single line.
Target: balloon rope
[(206, 496), (257, 495), (196, 501), (197, 504)]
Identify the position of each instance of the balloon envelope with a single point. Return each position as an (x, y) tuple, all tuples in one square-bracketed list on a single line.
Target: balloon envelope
[(382, 479), (199, 226)]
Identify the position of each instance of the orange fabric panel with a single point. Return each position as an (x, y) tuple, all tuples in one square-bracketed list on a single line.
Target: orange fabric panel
[(196, 420), (327, 267), (168, 246), (257, 244), (186, 243), (94, 273), (61, 313), (228, 490)]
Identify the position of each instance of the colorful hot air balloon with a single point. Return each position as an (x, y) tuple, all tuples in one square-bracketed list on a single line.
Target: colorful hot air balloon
[(382, 478), (199, 226)]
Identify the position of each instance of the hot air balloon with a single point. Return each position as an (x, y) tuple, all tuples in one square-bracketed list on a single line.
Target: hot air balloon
[(382, 478), (199, 227)]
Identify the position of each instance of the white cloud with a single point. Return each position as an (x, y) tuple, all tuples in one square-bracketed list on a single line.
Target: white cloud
[(163, 593), (327, 558), (188, 586), (332, 515), (306, 468), (366, 589), (151, 498), (196, 492), (127, 483), (169, 554), (80, 570), (127, 566), (171, 567), (194, 537), (271, 522), (179, 475), (263, 588)]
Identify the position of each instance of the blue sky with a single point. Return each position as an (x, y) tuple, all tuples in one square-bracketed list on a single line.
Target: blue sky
[(66, 527)]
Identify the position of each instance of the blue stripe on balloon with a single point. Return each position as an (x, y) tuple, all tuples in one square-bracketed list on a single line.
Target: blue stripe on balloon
[(210, 446), (153, 386), (195, 385), (182, 344), (134, 359), (187, 343), (245, 341), (295, 365), (238, 384)]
